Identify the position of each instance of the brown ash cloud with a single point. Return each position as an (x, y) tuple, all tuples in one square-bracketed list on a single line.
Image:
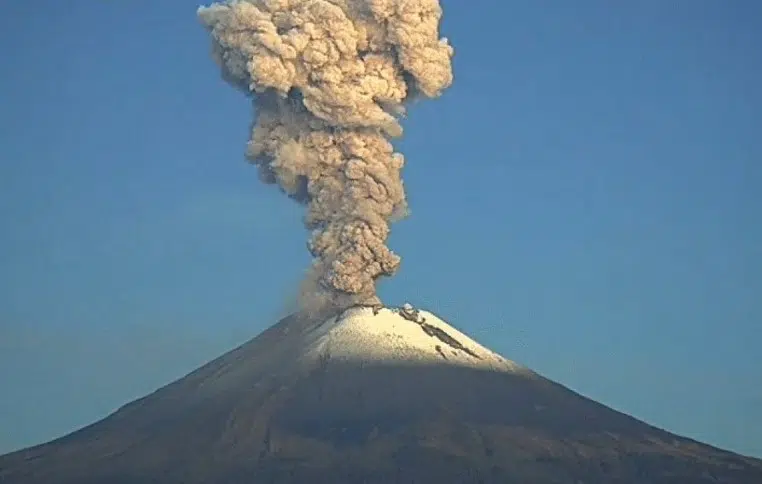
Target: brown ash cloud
[(329, 80)]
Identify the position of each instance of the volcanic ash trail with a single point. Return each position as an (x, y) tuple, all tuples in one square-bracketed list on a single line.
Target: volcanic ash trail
[(328, 80)]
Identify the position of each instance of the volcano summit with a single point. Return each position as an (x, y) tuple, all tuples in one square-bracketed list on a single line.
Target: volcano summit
[(373, 395)]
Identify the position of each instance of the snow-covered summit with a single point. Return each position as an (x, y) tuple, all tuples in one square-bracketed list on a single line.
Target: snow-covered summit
[(399, 336), (360, 336)]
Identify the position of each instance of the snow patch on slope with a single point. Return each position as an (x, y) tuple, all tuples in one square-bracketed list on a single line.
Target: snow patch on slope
[(359, 337), (399, 336)]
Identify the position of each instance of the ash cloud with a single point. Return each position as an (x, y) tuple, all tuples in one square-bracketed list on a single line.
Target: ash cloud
[(329, 80)]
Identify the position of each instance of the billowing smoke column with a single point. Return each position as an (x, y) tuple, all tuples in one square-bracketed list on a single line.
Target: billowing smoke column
[(328, 80)]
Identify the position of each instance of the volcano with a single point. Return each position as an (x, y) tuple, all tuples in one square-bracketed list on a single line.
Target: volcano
[(373, 395)]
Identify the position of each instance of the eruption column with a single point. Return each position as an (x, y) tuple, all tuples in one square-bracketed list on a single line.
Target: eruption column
[(328, 81)]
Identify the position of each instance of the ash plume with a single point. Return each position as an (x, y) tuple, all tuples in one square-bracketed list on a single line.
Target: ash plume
[(328, 81)]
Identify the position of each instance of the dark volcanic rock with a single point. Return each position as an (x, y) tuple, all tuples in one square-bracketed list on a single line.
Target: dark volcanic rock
[(266, 413)]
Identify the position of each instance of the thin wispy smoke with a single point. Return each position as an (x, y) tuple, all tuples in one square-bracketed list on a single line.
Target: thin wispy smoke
[(329, 80)]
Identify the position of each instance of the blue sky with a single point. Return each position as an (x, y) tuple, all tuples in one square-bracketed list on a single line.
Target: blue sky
[(585, 200)]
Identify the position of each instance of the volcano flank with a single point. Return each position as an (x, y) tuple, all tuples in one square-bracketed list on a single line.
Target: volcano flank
[(373, 395)]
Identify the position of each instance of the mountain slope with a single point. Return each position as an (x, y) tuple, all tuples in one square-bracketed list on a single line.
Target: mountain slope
[(373, 395)]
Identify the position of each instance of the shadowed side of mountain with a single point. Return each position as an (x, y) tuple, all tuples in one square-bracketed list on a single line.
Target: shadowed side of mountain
[(339, 422), (488, 424)]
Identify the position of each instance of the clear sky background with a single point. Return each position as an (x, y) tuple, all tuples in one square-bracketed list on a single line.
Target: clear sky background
[(586, 200)]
